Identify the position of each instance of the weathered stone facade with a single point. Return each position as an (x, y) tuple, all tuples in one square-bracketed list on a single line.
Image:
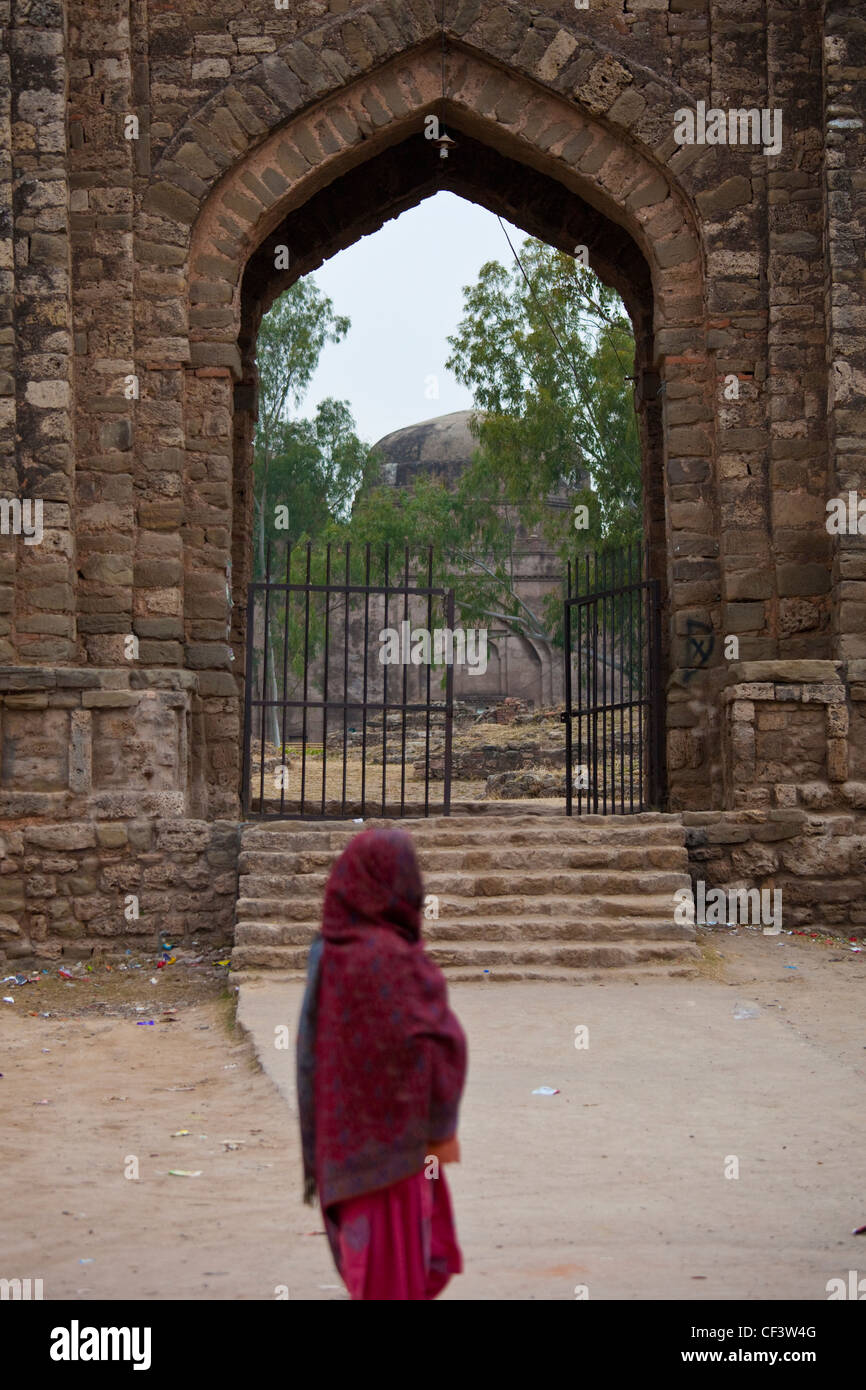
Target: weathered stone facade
[(814, 861), (153, 156), (95, 887)]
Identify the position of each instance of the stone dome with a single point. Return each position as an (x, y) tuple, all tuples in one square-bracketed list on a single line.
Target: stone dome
[(439, 448)]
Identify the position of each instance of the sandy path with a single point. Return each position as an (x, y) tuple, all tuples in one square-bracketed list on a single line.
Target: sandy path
[(616, 1183)]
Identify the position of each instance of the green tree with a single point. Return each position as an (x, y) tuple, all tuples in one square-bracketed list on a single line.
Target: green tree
[(309, 467), (548, 353), (315, 469), (305, 471), (548, 356)]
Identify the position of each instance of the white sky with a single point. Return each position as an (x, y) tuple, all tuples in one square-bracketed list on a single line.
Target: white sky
[(402, 289)]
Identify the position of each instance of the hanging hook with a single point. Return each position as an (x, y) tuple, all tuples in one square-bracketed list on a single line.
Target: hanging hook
[(444, 142)]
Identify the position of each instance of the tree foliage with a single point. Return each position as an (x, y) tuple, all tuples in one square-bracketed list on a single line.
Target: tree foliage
[(548, 356), (305, 471), (548, 353), (309, 469)]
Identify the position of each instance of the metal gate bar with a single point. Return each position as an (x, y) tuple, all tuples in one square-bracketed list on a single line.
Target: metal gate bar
[(614, 612), (314, 617)]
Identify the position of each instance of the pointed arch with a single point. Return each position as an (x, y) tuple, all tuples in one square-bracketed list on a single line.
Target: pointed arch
[(250, 171)]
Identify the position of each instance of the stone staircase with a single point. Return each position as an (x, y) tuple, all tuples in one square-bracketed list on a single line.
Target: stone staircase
[(519, 896)]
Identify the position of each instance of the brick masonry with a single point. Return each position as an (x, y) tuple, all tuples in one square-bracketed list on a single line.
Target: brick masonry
[(99, 888), (815, 860), (152, 156)]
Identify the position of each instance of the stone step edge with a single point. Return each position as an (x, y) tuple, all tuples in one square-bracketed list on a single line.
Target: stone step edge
[(461, 974), (506, 949), (480, 813), (499, 906), (460, 845), (619, 834), (507, 809), (620, 955), (538, 889), (646, 928)]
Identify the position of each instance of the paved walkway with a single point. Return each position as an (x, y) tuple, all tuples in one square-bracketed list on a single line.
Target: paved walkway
[(618, 1182)]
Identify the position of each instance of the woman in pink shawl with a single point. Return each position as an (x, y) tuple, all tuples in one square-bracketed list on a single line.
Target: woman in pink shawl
[(381, 1067)]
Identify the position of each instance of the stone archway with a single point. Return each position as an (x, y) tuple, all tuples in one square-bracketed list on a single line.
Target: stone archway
[(553, 167), (153, 151), (399, 177)]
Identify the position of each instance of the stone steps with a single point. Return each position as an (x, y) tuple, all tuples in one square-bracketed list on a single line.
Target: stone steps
[(654, 826), (519, 897), (271, 888), (267, 869), (492, 909), (473, 958), (260, 932)]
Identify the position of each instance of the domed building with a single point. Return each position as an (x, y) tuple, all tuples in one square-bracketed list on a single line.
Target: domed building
[(526, 668), (439, 449)]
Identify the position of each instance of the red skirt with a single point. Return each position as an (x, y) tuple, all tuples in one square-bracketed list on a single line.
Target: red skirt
[(398, 1243)]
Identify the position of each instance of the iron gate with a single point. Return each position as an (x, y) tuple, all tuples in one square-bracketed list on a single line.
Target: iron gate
[(613, 718), (323, 708)]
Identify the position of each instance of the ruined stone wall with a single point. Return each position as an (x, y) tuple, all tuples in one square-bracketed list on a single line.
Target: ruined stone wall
[(150, 155), (99, 888), (815, 860), (845, 301)]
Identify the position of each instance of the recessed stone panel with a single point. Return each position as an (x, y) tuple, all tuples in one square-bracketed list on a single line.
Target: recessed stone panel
[(35, 750), (138, 747)]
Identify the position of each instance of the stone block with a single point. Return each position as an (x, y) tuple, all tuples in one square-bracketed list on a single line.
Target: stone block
[(837, 721), (216, 683), (732, 193), (798, 579), (72, 836), (824, 694), (109, 699), (161, 653), (785, 794), (749, 690), (794, 672), (755, 860), (772, 832), (817, 857), (26, 701), (816, 795), (140, 835), (10, 927), (724, 833), (112, 836), (183, 836), (744, 617), (753, 584), (837, 759), (210, 68)]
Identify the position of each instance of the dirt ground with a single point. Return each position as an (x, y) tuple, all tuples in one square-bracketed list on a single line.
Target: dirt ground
[(532, 731), (617, 1183)]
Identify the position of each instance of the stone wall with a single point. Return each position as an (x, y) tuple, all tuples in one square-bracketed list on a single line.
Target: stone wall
[(80, 885), (69, 886), (791, 735), (817, 861), (153, 155), (78, 742), (786, 728), (146, 255)]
